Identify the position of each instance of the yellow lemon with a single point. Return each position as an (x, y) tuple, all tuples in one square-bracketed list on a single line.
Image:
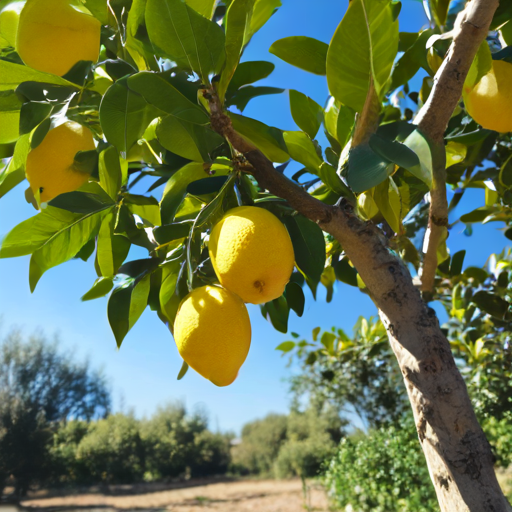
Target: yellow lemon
[(489, 102), (53, 35), (213, 333), (49, 168), (9, 17), (252, 254)]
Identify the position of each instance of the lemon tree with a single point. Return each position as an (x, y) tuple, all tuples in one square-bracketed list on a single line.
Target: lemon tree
[(98, 99)]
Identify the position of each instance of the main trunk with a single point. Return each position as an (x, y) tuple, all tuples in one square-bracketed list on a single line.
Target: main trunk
[(458, 455)]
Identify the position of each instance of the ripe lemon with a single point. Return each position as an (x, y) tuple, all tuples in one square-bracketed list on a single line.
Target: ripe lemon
[(213, 333), (9, 17), (49, 168), (252, 254), (53, 35), (489, 103)]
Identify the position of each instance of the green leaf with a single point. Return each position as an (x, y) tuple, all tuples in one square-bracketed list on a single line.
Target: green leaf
[(307, 113), (189, 140), (411, 61), (490, 303), (387, 197), (286, 346), (249, 72), (505, 173), (32, 114), (126, 305), (164, 96), (100, 288), (419, 144), (308, 245), (12, 75), (176, 189), (302, 150), (394, 151), (192, 41), (439, 9), (170, 232), (263, 10), (241, 98), (481, 65), (110, 173), (266, 138), (145, 207), (203, 7), (62, 236), (338, 121), (330, 177), (295, 297), (105, 252), (14, 173), (366, 169), (278, 312), (303, 52), (364, 46), (477, 215), (345, 272), (206, 185), (456, 263), (170, 296), (237, 23), (183, 370), (124, 116), (81, 202)]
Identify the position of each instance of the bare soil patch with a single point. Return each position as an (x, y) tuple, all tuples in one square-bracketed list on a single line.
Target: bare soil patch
[(236, 496)]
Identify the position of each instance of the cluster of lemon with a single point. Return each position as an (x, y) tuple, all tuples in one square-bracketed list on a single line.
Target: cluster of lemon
[(253, 258), (51, 36)]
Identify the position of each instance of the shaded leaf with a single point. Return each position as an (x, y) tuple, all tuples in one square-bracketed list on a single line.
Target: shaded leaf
[(295, 297)]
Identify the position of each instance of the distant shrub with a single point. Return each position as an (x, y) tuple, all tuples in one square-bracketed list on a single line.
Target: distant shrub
[(112, 450), (384, 471)]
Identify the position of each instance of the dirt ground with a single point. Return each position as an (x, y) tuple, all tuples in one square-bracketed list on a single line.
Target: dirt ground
[(237, 496)]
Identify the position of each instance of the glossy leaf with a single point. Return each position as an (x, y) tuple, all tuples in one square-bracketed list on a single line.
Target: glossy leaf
[(126, 305), (419, 144), (249, 72), (64, 234), (164, 96), (242, 97), (81, 202), (184, 36), (104, 251), (124, 116), (100, 288), (189, 140), (366, 169), (169, 232), (146, 207), (308, 245), (12, 74), (176, 189), (262, 11), (14, 173), (278, 312), (238, 24), (302, 150), (266, 138), (110, 172), (295, 298), (203, 7), (339, 120), (303, 52), (394, 151), (345, 272), (307, 113), (363, 47), (206, 185)]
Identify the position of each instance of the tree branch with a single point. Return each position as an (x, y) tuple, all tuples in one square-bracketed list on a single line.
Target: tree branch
[(471, 28)]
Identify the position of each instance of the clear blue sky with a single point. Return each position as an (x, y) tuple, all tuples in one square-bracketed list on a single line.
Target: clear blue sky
[(144, 370)]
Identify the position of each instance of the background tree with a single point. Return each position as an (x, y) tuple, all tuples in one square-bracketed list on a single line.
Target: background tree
[(41, 386), (169, 78)]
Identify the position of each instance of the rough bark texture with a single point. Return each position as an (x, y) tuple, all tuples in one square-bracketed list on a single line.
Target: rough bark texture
[(471, 29), (458, 455)]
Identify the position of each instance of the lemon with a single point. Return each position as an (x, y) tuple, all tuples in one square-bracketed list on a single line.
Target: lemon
[(49, 168), (53, 35), (489, 102), (9, 17), (252, 254), (213, 333)]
